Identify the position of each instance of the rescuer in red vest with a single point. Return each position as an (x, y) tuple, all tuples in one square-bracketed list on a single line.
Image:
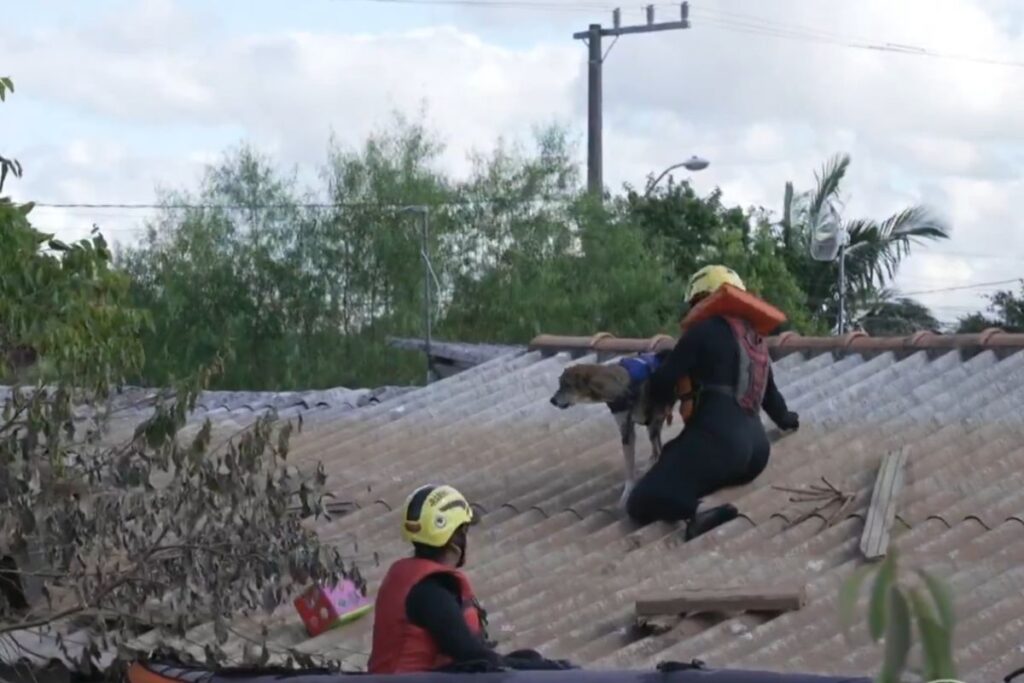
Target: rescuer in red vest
[(426, 616), (723, 442)]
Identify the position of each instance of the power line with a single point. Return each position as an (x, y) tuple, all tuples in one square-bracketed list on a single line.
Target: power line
[(769, 23), (978, 285), (735, 22), (753, 27), (505, 4), (764, 26), (134, 206)]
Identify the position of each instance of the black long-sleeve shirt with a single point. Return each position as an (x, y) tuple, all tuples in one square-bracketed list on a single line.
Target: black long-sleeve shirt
[(434, 604), (707, 352)]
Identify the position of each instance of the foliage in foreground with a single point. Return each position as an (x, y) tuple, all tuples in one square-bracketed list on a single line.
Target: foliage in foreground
[(147, 533), (896, 611)]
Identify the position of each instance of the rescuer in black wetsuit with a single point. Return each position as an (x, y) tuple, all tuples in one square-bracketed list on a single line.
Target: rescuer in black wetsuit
[(433, 605), (721, 444), (426, 616)]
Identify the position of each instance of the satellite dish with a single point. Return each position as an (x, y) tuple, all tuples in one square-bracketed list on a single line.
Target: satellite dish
[(828, 235)]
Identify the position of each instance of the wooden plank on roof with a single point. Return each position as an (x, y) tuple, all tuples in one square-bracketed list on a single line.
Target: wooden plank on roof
[(874, 541), (726, 600)]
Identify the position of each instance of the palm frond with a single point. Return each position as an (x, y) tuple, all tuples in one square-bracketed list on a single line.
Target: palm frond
[(915, 222), (828, 179), (876, 249)]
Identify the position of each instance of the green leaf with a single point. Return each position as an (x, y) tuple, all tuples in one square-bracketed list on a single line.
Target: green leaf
[(943, 600), (877, 610), (936, 640), (897, 636), (848, 597)]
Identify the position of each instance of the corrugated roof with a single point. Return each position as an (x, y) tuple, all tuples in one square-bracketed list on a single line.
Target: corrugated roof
[(457, 353), (559, 567), (230, 411)]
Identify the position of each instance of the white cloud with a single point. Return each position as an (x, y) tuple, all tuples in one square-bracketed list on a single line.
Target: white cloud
[(763, 109)]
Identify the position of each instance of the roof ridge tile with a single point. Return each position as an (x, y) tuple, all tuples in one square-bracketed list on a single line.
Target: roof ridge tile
[(791, 342)]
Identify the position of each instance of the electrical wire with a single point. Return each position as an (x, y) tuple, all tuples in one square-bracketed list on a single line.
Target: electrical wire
[(126, 208), (912, 50), (732, 21), (959, 288), (504, 4), (130, 206)]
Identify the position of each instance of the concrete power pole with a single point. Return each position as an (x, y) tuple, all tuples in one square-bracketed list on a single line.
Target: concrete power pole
[(592, 36)]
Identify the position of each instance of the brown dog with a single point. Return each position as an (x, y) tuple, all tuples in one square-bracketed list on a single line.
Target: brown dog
[(626, 398)]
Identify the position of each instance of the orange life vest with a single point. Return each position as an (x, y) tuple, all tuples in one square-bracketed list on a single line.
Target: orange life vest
[(399, 646), (728, 302)]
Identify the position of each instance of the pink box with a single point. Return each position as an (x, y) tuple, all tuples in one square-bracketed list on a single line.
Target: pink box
[(326, 608)]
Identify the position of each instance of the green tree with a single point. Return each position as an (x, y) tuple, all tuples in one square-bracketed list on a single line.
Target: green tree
[(874, 251), (597, 273), (219, 274), (303, 290), (896, 316), (305, 286), (1005, 311), (7, 166), (692, 232), (531, 254), (63, 308)]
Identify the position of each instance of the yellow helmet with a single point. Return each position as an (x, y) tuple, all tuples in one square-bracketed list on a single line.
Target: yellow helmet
[(709, 278), (433, 514)]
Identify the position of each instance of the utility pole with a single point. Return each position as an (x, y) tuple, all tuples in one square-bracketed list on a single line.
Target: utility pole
[(428, 274), (427, 269), (595, 60)]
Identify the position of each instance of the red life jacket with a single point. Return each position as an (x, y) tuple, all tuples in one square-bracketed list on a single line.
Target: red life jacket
[(736, 307), (754, 364), (399, 646)]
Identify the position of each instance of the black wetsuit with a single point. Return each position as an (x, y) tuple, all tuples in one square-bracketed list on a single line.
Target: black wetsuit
[(721, 445), (433, 604)]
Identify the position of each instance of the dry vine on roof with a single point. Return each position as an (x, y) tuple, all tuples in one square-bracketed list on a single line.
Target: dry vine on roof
[(827, 496)]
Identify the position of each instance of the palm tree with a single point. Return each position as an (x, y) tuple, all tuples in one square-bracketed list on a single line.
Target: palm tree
[(874, 249)]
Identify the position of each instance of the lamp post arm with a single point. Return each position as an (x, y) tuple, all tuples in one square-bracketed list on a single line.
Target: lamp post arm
[(654, 184)]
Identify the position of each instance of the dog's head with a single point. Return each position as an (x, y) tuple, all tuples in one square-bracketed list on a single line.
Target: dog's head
[(584, 383)]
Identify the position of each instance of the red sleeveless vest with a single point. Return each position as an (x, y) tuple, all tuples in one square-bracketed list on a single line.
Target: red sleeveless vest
[(399, 646)]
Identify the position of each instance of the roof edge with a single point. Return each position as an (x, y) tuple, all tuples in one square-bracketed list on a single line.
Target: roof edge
[(790, 342)]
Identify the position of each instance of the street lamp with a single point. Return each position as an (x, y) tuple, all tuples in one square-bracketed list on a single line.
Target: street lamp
[(694, 163)]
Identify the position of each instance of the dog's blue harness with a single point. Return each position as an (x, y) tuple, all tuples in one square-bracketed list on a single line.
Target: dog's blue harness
[(640, 368)]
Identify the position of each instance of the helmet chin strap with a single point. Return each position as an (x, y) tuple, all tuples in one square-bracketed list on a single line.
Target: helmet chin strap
[(460, 543)]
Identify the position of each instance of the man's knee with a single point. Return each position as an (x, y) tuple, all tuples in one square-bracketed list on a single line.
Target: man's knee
[(638, 505), (647, 505), (758, 463)]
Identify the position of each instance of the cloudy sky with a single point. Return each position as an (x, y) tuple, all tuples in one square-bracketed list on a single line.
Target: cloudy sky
[(117, 97)]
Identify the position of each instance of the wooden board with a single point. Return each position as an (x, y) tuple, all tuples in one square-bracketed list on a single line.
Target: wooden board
[(730, 600), (874, 541)]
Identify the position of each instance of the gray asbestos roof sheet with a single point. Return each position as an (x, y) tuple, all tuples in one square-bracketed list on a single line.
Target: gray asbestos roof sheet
[(559, 568)]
